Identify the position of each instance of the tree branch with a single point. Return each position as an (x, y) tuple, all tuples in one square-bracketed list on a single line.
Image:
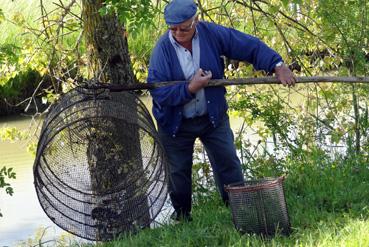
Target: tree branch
[(229, 82)]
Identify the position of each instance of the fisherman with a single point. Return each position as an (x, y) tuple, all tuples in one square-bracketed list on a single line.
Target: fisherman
[(191, 51)]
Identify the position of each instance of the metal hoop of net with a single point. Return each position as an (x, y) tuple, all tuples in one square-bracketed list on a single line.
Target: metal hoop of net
[(100, 170)]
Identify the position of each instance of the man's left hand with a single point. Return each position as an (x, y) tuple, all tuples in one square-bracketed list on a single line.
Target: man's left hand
[(285, 75)]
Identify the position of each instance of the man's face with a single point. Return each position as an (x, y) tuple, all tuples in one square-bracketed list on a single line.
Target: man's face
[(184, 32)]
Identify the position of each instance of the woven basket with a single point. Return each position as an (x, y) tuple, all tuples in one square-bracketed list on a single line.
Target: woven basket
[(259, 206)]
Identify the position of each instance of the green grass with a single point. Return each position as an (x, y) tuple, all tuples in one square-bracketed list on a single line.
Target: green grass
[(27, 9), (212, 226), (30, 12), (20, 15), (328, 206)]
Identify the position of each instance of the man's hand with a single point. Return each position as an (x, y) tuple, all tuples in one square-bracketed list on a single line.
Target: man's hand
[(199, 80), (285, 75)]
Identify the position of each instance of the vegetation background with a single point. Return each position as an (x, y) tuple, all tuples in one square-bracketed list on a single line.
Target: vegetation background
[(316, 133)]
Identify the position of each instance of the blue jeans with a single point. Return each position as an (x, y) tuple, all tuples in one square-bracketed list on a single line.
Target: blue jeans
[(220, 148)]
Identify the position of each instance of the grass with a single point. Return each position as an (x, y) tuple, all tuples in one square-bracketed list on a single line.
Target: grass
[(9, 8), (28, 10), (328, 206), (23, 15), (212, 226)]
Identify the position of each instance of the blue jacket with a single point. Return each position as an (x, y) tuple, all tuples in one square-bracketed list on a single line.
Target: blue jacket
[(215, 41)]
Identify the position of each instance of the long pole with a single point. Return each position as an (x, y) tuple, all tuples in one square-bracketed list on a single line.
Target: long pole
[(228, 82)]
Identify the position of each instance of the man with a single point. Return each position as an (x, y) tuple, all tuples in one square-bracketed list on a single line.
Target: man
[(191, 51)]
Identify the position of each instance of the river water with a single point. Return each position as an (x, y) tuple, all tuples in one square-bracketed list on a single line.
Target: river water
[(22, 213), (23, 218)]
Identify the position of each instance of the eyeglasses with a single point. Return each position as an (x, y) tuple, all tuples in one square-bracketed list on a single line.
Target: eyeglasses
[(183, 30)]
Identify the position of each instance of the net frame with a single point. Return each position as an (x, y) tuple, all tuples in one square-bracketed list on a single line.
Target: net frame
[(74, 209)]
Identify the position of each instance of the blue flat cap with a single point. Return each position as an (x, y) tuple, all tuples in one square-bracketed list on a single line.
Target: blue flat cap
[(178, 11)]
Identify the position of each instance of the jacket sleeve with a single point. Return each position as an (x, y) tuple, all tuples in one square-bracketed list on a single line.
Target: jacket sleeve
[(160, 71), (243, 47)]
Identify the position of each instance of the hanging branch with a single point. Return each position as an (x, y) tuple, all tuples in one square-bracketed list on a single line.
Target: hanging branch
[(229, 82), (50, 34), (204, 12), (293, 21), (286, 43)]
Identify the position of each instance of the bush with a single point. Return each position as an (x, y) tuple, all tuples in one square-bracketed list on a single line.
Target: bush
[(9, 174)]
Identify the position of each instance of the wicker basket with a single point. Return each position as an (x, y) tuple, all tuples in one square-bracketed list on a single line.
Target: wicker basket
[(259, 206)]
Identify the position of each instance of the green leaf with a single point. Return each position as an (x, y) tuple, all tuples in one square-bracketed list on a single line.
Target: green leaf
[(12, 175), (273, 9), (9, 191)]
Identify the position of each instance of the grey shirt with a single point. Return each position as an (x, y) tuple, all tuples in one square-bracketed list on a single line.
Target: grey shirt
[(190, 63)]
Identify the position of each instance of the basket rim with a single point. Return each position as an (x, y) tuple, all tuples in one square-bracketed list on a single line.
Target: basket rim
[(241, 187)]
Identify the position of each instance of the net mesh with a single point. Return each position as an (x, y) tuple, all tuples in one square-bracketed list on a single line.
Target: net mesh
[(100, 170), (259, 206)]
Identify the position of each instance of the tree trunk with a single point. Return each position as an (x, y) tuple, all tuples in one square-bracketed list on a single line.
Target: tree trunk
[(107, 45), (355, 103), (110, 62)]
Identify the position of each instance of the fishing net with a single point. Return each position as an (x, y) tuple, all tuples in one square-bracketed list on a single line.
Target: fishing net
[(100, 170), (259, 206)]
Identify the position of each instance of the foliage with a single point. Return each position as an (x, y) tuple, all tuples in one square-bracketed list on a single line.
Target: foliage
[(41, 238), (343, 179), (9, 53), (6, 173), (13, 134), (21, 84), (313, 35), (347, 22), (42, 51), (134, 14), (140, 46)]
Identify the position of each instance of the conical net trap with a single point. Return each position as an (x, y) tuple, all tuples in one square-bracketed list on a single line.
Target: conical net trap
[(100, 170)]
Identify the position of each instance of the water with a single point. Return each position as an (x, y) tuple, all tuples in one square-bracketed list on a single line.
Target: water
[(22, 213)]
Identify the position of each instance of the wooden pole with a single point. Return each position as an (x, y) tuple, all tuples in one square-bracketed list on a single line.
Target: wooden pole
[(229, 82)]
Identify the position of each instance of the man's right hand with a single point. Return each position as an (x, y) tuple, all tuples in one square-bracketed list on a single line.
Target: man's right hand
[(199, 80)]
